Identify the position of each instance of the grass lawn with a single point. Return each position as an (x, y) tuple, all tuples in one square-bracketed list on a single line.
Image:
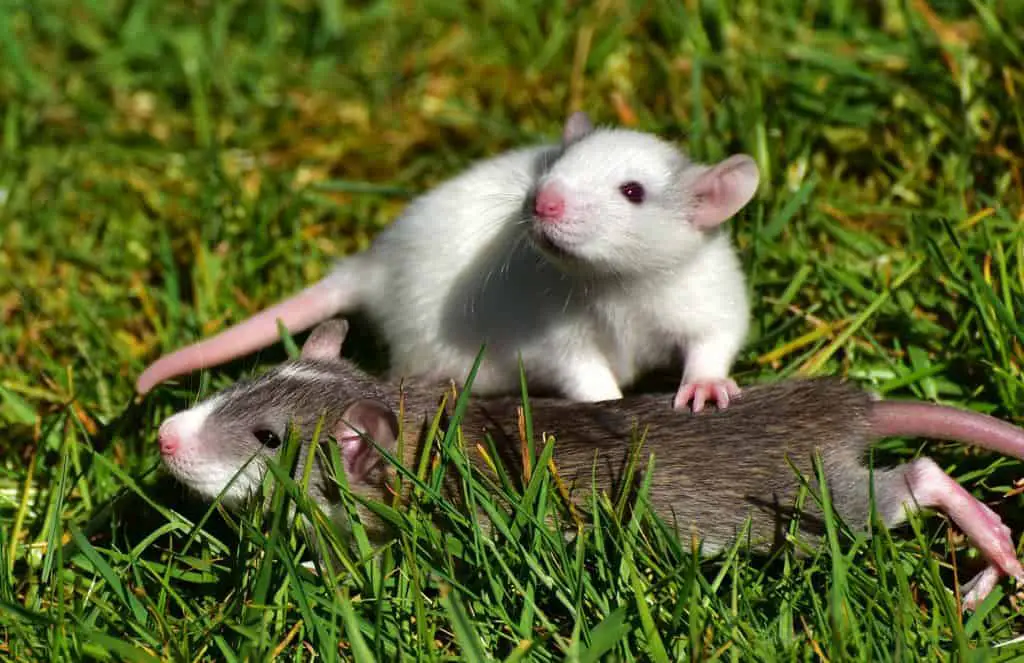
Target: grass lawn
[(169, 168)]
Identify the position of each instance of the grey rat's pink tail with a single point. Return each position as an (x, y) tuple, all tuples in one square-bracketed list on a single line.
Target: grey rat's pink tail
[(908, 419), (340, 291)]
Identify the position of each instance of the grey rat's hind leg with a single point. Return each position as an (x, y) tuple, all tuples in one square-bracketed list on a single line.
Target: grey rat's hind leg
[(922, 483)]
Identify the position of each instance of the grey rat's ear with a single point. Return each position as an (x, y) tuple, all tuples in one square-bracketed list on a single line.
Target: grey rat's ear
[(366, 418), (324, 343), (577, 126), (723, 190)]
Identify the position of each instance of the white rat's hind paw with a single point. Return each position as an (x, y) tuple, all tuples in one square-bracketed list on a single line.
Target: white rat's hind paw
[(719, 390)]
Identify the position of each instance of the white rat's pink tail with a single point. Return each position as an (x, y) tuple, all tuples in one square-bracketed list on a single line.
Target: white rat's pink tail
[(342, 290), (903, 419)]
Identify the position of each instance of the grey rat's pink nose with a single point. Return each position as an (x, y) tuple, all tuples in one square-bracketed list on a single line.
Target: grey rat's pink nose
[(169, 439), (550, 205)]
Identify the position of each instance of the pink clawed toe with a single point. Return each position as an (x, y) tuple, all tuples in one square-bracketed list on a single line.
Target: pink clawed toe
[(720, 391)]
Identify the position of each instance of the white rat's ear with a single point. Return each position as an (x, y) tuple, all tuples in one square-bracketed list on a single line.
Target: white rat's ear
[(577, 126), (324, 343), (366, 418), (723, 190)]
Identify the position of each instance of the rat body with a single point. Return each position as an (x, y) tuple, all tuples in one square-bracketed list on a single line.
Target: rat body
[(595, 259), (698, 483)]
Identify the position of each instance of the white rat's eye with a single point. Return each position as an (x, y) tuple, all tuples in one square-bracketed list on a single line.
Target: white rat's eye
[(633, 191), (267, 438)]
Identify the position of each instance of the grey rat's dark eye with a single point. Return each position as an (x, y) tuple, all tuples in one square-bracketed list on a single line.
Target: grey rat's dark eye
[(267, 438), (633, 191)]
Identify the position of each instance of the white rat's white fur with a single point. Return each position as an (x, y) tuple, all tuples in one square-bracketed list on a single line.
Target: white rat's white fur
[(612, 289)]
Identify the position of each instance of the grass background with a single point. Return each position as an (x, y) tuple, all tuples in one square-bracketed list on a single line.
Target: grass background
[(169, 168)]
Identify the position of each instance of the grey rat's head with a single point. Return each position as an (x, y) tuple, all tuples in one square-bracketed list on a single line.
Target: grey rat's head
[(617, 200), (235, 431)]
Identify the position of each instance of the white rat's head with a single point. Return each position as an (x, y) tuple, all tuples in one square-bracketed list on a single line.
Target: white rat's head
[(618, 200), (221, 446)]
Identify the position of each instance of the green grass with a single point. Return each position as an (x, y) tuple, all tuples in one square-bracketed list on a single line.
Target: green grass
[(168, 168)]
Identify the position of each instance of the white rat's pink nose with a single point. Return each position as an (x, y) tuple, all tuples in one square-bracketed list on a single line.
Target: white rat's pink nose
[(169, 438), (550, 205)]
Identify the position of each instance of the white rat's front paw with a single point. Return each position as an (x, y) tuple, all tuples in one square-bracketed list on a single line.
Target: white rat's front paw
[(719, 390)]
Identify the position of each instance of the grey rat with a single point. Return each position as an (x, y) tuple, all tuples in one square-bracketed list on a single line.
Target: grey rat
[(711, 472), (595, 259)]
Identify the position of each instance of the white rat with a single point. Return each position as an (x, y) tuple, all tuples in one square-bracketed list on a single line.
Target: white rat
[(594, 260)]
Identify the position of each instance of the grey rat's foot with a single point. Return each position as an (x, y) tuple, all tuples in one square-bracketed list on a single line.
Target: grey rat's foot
[(995, 540), (719, 390), (977, 588)]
